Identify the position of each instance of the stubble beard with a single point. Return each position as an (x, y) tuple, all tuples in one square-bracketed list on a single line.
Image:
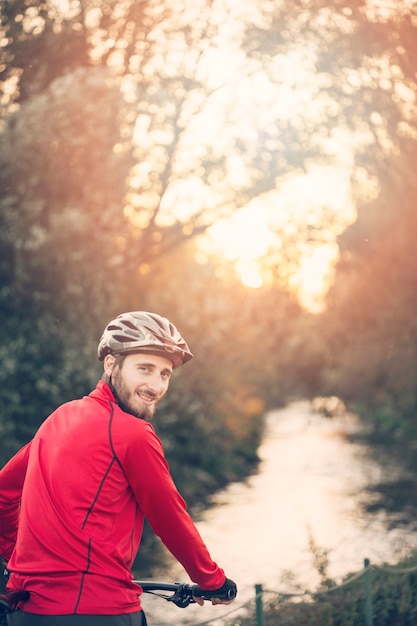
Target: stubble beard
[(128, 401)]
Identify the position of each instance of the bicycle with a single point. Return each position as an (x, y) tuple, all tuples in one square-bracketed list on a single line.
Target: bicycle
[(181, 594)]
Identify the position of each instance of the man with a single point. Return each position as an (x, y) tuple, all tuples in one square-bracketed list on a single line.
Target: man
[(73, 500)]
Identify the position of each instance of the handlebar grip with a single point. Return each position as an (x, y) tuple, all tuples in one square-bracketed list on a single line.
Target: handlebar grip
[(227, 592)]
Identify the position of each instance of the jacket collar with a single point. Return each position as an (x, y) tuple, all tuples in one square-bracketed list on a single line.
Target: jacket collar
[(103, 393)]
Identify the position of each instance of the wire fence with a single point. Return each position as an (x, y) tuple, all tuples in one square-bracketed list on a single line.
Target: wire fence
[(257, 601)]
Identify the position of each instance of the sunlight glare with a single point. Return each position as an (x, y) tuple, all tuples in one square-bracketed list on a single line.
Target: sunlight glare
[(245, 236), (314, 276), (249, 275), (320, 199)]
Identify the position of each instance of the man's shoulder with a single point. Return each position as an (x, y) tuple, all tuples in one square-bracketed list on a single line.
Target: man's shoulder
[(135, 424)]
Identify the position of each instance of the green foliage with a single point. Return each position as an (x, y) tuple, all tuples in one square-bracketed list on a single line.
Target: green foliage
[(40, 368), (55, 280)]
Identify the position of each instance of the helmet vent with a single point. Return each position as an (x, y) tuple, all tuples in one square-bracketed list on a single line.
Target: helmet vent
[(129, 324), (124, 339)]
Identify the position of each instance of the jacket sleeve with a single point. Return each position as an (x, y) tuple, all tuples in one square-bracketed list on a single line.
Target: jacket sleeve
[(165, 509), (12, 477)]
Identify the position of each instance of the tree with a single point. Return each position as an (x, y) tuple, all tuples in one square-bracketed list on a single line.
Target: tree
[(97, 145), (375, 294), (121, 143), (355, 62), (352, 82)]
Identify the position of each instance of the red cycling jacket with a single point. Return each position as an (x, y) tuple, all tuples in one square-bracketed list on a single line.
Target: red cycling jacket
[(72, 506)]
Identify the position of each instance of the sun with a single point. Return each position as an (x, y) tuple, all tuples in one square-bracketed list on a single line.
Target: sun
[(243, 239), (314, 277), (251, 232), (250, 275), (245, 236)]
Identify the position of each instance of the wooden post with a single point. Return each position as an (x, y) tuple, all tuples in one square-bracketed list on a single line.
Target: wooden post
[(369, 618), (259, 607)]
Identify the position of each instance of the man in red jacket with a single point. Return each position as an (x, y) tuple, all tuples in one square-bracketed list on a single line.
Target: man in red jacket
[(74, 499)]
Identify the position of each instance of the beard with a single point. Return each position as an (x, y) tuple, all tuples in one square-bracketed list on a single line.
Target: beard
[(128, 400)]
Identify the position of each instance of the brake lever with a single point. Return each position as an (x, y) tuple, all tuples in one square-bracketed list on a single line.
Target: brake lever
[(183, 596)]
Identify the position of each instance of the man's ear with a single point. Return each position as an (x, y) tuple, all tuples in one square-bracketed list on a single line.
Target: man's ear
[(109, 361)]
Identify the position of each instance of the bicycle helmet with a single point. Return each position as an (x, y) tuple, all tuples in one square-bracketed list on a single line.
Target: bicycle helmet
[(140, 331)]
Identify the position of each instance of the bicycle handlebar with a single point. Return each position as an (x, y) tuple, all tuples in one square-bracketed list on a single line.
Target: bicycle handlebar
[(183, 594)]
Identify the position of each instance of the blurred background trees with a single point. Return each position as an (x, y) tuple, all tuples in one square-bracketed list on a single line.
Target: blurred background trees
[(128, 129), (365, 343), (370, 328)]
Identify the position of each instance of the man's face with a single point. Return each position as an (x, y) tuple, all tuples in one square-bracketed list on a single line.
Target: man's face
[(140, 381)]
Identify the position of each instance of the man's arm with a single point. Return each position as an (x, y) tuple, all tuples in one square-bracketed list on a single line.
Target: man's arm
[(12, 477), (156, 494)]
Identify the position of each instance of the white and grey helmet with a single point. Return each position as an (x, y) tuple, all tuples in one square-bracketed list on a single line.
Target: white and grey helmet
[(140, 331)]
